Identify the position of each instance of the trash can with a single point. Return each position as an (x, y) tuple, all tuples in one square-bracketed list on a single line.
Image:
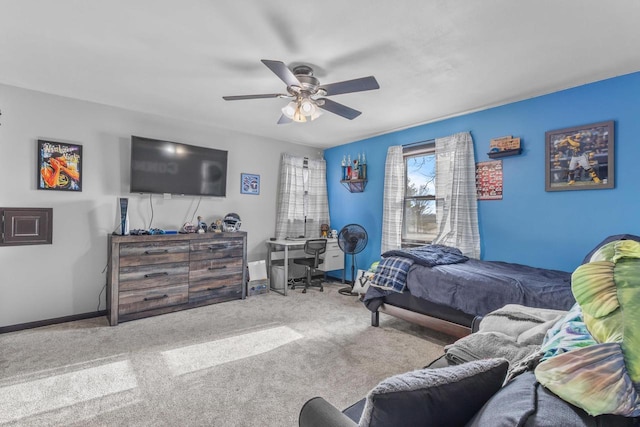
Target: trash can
[(277, 277)]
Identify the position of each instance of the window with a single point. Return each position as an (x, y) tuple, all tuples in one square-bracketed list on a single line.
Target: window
[(302, 198), (419, 213)]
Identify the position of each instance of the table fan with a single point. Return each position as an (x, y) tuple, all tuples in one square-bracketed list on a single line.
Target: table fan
[(352, 239)]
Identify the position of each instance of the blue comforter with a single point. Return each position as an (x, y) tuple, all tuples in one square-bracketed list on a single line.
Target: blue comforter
[(479, 287)]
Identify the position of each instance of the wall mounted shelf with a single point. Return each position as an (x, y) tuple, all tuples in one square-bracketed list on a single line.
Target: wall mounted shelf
[(354, 185), (504, 153)]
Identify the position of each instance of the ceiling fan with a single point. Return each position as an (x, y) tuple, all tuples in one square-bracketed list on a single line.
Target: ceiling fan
[(307, 94)]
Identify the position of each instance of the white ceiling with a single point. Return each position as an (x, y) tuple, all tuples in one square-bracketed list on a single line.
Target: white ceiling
[(432, 58)]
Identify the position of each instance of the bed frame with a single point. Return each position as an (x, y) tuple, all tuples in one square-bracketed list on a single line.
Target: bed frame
[(425, 313)]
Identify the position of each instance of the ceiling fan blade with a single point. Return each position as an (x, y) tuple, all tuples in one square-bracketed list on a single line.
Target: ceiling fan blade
[(339, 109), (348, 86), (284, 120), (266, 95), (281, 70)]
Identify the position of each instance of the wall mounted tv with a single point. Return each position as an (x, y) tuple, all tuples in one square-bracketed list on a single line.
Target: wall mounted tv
[(170, 167)]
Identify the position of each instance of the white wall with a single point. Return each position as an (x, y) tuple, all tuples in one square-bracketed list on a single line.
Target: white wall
[(66, 278)]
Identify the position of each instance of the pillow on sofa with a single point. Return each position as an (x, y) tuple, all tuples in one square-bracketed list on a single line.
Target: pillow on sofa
[(524, 402), (587, 258), (434, 396)]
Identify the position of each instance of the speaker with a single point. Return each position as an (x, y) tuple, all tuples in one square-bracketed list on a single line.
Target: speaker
[(124, 216)]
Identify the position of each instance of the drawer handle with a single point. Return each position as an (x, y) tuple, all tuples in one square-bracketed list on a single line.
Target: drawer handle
[(217, 268), (162, 251), (163, 273), (155, 298), (219, 287)]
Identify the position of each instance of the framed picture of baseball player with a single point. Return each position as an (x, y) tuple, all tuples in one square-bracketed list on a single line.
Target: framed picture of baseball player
[(580, 158)]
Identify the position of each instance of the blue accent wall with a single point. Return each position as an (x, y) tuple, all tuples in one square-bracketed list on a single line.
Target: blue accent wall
[(530, 226)]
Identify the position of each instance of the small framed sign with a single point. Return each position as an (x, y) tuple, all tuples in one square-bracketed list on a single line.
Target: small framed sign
[(59, 166), (249, 183), (489, 180)]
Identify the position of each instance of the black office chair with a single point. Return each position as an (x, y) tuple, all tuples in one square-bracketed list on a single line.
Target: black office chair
[(315, 247)]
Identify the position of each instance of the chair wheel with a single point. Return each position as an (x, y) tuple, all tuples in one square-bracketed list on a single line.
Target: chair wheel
[(304, 291), (321, 289)]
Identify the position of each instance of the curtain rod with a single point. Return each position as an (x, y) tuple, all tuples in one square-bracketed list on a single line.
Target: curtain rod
[(426, 141)]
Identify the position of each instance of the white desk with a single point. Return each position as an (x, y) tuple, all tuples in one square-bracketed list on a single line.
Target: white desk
[(333, 257)]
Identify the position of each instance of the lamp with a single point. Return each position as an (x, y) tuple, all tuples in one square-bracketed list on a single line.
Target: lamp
[(301, 109)]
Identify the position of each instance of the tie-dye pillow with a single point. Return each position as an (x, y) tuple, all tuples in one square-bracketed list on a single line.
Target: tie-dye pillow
[(603, 378)]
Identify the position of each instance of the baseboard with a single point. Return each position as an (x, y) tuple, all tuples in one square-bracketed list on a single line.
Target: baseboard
[(47, 322)]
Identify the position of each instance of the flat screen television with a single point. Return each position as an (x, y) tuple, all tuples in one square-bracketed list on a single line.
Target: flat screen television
[(170, 167)]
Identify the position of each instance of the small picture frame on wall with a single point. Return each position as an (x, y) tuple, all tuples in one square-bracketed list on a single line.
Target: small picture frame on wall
[(489, 180), (580, 158), (59, 166), (249, 183)]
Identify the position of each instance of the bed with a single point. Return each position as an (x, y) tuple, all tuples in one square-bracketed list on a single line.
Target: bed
[(452, 297)]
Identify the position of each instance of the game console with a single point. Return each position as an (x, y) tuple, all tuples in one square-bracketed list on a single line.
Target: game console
[(124, 216), (138, 232), (151, 231)]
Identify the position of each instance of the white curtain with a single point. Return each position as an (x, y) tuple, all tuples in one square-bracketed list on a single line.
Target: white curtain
[(393, 199), (302, 196), (456, 204), (317, 202)]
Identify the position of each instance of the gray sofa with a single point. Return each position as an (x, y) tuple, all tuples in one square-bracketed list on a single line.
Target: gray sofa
[(453, 391), (521, 402)]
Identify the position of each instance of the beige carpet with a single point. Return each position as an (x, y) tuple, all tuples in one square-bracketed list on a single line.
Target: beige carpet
[(241, 363)]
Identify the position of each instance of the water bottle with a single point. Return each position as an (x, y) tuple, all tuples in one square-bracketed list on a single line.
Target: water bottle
[(363, 167), (344, 167)]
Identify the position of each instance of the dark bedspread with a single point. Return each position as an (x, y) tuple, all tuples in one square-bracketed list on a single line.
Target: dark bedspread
[(479, 287)]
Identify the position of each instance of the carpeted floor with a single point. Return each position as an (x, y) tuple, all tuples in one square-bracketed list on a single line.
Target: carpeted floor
[(250, 362)]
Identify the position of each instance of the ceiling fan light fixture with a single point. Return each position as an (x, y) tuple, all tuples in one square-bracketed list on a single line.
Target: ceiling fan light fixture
[(301, 110), (299, 117), (307, 107), (289, 110)]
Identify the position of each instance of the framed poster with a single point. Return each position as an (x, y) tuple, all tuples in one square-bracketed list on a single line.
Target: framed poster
[(489, 180), (249, 183), (59, 166), (579, 158)]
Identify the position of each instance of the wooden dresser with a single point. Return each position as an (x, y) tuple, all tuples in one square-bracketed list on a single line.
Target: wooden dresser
[(150, 275)]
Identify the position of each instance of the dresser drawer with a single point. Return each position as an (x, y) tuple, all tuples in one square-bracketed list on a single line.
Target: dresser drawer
[(333, 258), (224, 291), (161, 252), (214, 273), (147, 299), (153, 275), (217, 248)]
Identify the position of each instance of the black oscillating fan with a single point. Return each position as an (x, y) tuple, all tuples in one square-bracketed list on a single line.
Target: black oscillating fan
[(352, 239)]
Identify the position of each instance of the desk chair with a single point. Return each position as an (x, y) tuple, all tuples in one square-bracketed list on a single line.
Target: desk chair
[(315, 247)]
